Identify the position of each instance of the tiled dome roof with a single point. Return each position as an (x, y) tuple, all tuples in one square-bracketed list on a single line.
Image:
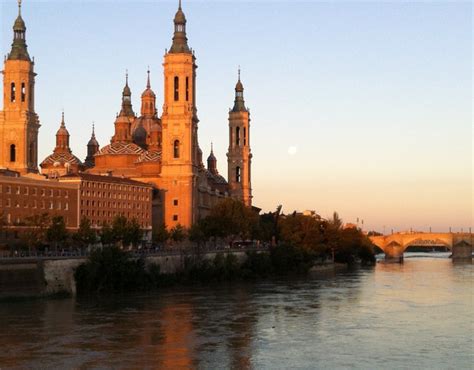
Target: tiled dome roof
[(150, 156), (63, 157), (119, 148)]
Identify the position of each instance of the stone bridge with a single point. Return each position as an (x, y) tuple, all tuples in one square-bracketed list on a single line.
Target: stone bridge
[(394, 245)]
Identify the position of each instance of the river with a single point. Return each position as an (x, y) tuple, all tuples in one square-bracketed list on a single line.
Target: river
[(416, 315)]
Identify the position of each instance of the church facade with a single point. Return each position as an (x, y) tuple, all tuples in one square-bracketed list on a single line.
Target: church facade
[(160, 150)]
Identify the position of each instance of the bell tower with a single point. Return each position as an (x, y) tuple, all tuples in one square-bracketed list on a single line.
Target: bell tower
[(179, 129), (19, 124), (239, 157)]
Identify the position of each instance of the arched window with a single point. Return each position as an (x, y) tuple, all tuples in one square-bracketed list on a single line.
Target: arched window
[(12, 92), (12, 153), (237, 136), (187, 88), (176, 88), (237, 174), (23, 92), (245, 136), (176, 149)]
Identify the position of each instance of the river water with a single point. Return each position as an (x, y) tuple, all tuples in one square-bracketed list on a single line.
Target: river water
[(418, 315)]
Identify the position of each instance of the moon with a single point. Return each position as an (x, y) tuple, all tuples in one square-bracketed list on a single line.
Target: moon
[(292, 150)]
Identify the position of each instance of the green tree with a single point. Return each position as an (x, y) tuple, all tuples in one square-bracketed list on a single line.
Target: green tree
[(178, 233), (106, 234), (35, 234), (133, 234), (160, 234), (233, 219), (198, 233), (57, 232), (85, 235)]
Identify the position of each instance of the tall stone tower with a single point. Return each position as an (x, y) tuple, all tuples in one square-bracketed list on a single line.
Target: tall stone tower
[(19, 124), (239, 157), (179, 130)]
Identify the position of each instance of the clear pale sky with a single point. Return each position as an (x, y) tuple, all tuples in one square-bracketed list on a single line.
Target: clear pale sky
[(360, 107)]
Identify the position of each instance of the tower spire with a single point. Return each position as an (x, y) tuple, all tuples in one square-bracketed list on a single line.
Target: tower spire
[(19, 48), (148, 84), (62, 119), (180, 41), (239, 103), (126, 99)]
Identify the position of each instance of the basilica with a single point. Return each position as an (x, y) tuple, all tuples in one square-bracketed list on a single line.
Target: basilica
[(160, 149)]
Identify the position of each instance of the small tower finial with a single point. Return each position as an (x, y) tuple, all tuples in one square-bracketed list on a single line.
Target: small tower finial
[(62, 119), (126, 77), (148, 84), (239, 72), (178, 8), (93, 129), (212, 147), (19, 7)]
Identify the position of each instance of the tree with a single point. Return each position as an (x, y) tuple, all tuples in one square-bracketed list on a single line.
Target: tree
[(85, 234), (35, 234), (234, 219), (106, 234), (304, 232), (133, 232), (119, 229), (198, 233), (178, 233), (57, 232), (160, 234)]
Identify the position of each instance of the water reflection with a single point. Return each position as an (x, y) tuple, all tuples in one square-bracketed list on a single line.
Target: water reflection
[(374, 318)]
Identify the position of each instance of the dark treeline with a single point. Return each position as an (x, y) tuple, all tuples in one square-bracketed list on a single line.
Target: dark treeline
[(297, 242)]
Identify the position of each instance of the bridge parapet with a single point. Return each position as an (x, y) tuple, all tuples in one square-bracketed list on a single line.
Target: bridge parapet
[(394, 245)]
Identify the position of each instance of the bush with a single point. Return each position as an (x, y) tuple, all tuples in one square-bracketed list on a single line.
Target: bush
[(110, 270)]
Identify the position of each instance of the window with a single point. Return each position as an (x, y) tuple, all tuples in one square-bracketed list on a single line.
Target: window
[(34, 191), (12, 153), (176, 149), (237, 174), (175, 217), (237, 136), (176, 88), (175, 202), (187, 88), (12, 92), (9, 189), (23, 92), (245, 136), (66, 206)]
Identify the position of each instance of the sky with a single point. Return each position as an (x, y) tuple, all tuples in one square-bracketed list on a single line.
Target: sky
[(364, 108)]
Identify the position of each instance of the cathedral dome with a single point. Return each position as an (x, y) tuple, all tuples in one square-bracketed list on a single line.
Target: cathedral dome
[(61, 158), (120, 148), (150, 156), (62, 131), (142, 127), (148, 93)]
